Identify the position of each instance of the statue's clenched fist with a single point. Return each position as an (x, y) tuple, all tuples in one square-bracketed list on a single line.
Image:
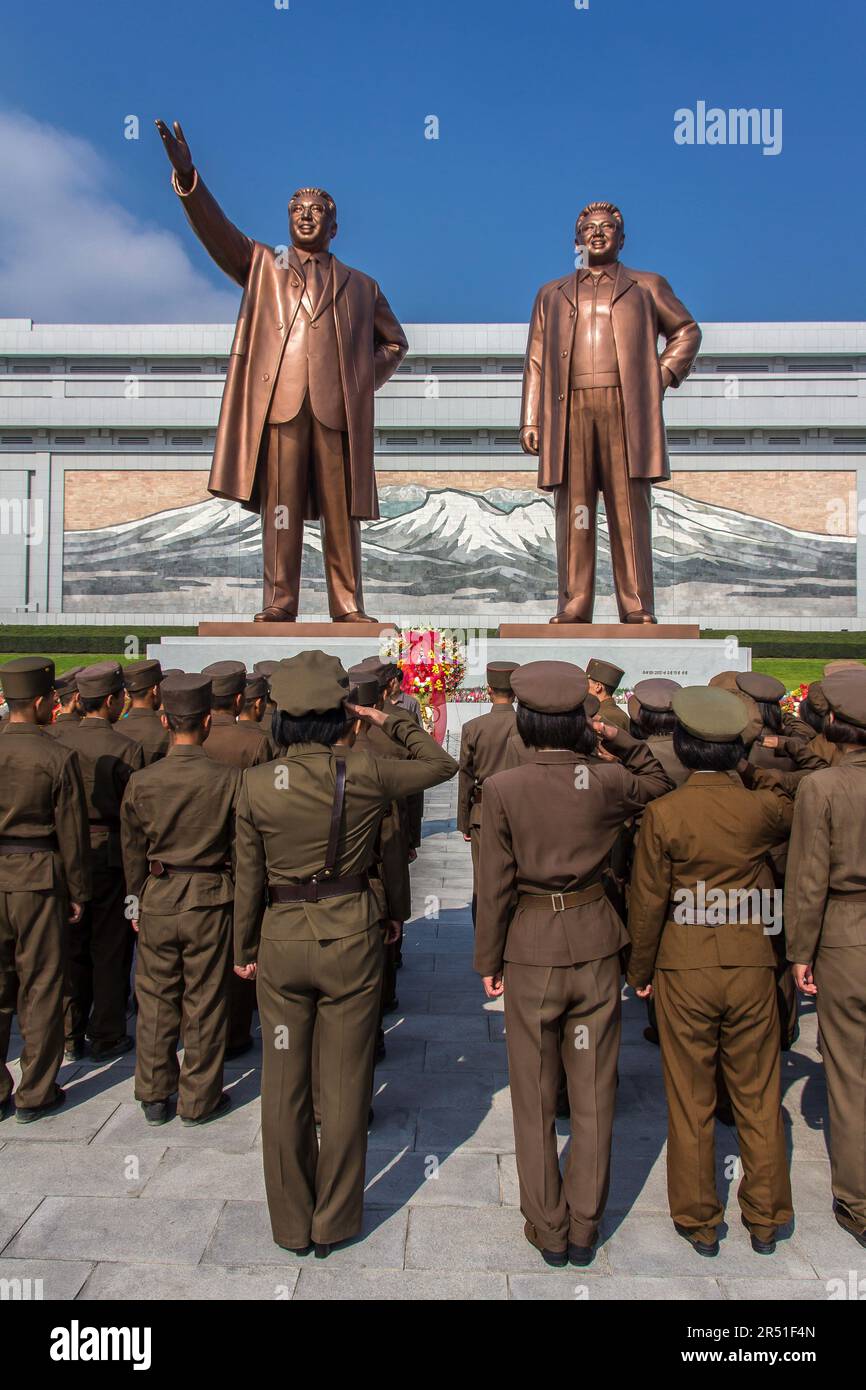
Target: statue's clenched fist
[(178, 152)]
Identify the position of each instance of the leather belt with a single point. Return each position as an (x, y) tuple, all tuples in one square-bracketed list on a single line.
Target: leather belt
[(587, 381), (857, 895), (314, 889), (158, 869), (26, 844), (558, 902)]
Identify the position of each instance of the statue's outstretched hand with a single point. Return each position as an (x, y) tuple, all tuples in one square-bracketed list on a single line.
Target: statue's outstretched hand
[(178, 152)]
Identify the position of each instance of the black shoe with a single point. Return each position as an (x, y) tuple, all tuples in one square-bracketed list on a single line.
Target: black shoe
[(321, 1251), (222, 1105), (104, 1052), (850, 1223), (761, 1247), (391, 1005), (709, 1249), (296, 1249), (25, 1115), (239, 1050), (580, 1255), (155, 1111), (74, 1051), (557, 1259)]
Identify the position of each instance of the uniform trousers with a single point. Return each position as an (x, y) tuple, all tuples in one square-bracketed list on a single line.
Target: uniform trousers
[(563, 1016), (33, 935), (725, 1015), (597, 462), (315, 1190), (840, 974), (304, 457), (181, 985), (99, 955)]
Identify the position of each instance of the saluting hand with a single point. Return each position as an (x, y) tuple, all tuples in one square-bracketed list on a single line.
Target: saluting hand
[(605, 731), (178, 152), (368, 712)]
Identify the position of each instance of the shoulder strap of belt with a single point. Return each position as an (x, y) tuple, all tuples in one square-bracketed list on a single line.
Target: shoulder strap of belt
[(336, 817)]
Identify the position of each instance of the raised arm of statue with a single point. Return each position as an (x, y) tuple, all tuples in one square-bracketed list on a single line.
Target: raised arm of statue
[(231, 248)]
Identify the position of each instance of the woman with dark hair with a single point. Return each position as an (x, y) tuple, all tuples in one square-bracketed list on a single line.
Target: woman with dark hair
[(548, 937), (701, 929)]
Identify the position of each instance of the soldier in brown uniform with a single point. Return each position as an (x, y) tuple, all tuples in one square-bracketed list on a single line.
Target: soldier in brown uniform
[(548, 936), (67, 700), (825, 920), (603, 681), (254, 707), (141, 680), (700, 940), (766, 692), (483, 748), (229, 742), (177, 826), (650, 709), (100, 953), (306, 832), (44, 882)]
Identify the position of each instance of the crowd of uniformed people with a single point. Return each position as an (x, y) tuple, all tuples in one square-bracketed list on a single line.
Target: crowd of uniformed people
[(192, 847)]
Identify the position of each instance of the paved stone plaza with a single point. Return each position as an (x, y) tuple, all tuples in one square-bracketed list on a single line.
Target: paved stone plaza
[(97, 1205)]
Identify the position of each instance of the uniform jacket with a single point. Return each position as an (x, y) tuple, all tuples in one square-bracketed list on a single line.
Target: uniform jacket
[(144, 726), (283, 821), (711, 830), (108, 760), (612, 713), (827, 857), (60, 720), (548, 827), (370, 340), (643, 307), (42, 793), (662, 747), (392, 850), (237, 743), (483, 747), (180, 811), (413, 806)]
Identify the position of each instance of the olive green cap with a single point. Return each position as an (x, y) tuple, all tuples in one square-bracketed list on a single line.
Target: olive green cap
[(310, 683), (226, 677), (100, 680), (139, 676), (499, 675), (550, 687), (27, 678), (716, 715), (186, 694), (605, 672)]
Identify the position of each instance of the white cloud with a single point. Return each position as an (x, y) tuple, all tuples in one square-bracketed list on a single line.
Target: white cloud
[(69, 252)]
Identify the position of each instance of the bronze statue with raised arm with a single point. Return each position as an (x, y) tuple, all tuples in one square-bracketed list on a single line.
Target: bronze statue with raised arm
[(314, 340), (593, 384)]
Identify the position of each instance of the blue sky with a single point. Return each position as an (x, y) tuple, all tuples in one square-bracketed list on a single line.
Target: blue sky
[(541, 107)]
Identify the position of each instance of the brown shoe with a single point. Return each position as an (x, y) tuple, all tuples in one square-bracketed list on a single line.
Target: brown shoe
[(356, 616), (274, 615), (563, 617), (639, 617)]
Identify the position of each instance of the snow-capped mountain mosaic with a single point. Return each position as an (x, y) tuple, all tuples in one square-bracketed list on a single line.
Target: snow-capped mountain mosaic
[(489, 554)]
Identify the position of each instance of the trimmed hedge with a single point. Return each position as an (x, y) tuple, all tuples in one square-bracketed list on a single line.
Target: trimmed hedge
[(83, 639), (819, 646)]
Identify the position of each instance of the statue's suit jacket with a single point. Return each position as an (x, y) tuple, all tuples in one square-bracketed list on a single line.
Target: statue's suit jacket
[(371, 346), (643, 306)]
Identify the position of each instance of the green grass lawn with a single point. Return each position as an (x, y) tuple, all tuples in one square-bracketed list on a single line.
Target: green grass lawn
[(791, 671)]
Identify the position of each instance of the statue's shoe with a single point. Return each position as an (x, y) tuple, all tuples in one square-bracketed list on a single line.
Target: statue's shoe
[(639, 617), (563, 617), (274, 615), (356, 616)]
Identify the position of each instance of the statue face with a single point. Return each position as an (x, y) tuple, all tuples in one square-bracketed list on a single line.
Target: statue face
[(311, 224), (602, 236)]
